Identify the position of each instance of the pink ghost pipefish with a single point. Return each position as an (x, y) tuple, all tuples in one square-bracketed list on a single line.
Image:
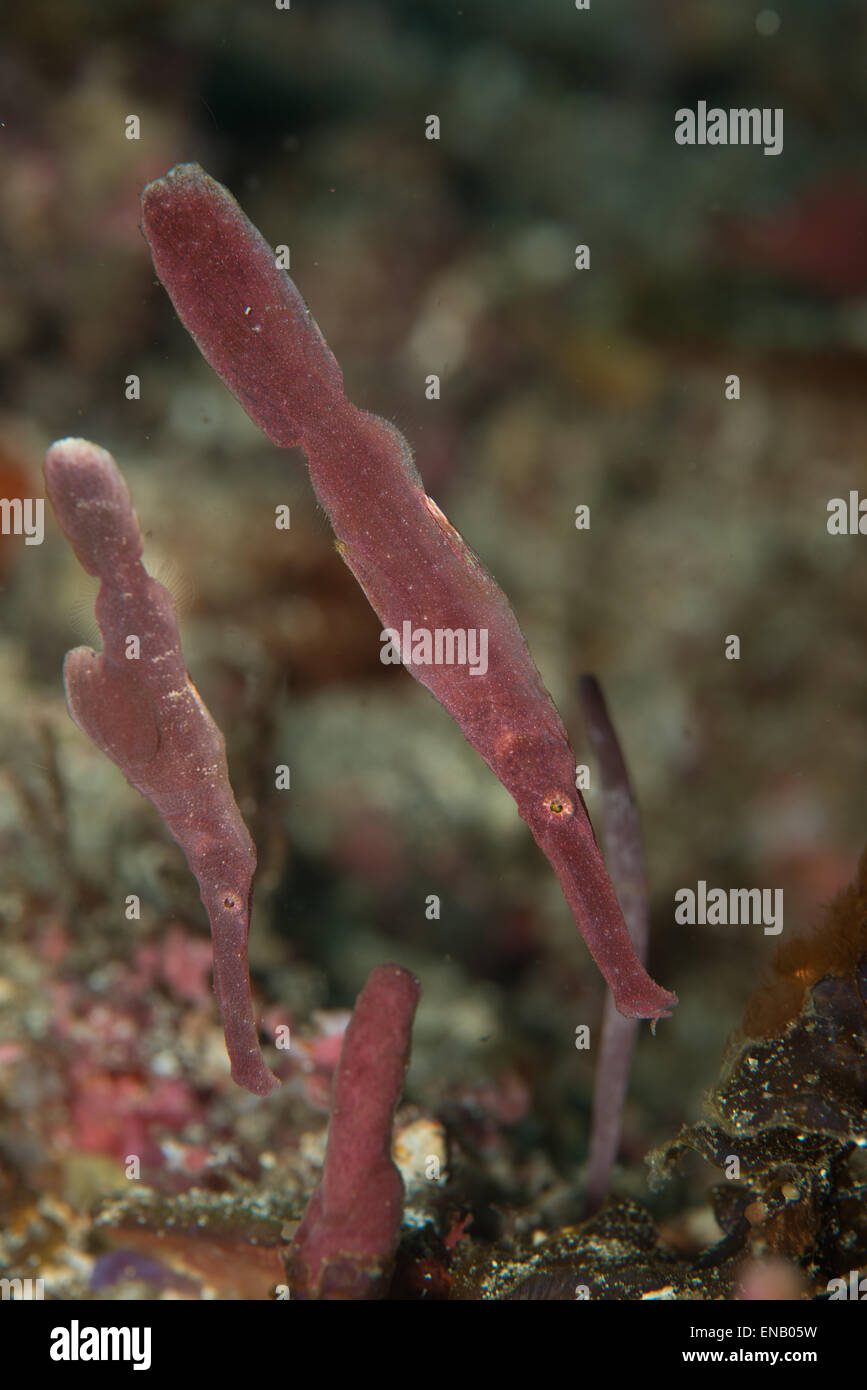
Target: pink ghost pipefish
[(253, 327), (135, 701)]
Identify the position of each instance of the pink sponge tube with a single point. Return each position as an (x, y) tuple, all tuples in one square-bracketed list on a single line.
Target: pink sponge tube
[(345, 1245)]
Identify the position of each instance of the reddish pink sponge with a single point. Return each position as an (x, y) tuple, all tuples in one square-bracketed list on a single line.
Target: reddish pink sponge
[(345, 1245)]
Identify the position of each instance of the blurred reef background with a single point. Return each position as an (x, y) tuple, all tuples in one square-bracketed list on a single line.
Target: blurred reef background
[(560, 387)]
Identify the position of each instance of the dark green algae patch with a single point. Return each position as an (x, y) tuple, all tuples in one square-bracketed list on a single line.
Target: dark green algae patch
[(787, 1126)]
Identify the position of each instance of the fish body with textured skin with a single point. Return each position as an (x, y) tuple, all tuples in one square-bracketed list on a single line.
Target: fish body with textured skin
[(254, 328)]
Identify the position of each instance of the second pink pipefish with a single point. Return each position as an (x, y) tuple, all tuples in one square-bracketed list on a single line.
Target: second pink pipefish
[(252, 325)]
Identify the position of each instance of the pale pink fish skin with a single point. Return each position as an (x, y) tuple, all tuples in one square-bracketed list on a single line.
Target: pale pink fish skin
[(251, 324), (147, 716)]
